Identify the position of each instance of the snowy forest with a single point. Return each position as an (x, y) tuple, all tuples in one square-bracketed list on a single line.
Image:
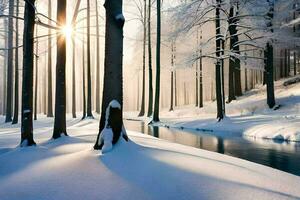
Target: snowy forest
[(174, 99)]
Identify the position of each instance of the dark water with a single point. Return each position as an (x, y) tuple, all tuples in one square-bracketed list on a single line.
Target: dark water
[(280, 155)]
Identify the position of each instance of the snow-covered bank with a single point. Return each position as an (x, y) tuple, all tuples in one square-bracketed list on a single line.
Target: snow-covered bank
[(248, 115), (144, 168)]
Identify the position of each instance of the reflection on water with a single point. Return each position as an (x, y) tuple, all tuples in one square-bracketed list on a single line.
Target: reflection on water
[(283, 156)]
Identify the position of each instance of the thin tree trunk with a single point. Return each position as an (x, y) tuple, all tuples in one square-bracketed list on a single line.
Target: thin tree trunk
[(97, 61), (246, 79), (200, 81), (36, 74), (73, 81), (196, 70), (150, 84), (175, 88), (49, 107), (60, 94), (16, 102), (113, 64), (27, 81), (157, 82), (5, 67), (9, 85), (83, 81), (89, 79), (172, 91), (288, 62), (142, 110), (220, 114), (295, 63), (172, 75)]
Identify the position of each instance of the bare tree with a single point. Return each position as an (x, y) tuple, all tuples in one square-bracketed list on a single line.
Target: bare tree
[(89, 79), (49, 107), (157, 82), (113, 64), (16, 102), (36, 73), (9, 84), (144, 14), (97, 60), (60, 94), (27, 81), (150, 84)]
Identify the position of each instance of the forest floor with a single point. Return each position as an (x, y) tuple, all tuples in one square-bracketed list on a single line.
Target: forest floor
[(248, 116), (143, 168)]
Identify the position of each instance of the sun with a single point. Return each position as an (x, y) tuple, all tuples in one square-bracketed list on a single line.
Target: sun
[(67, 31)]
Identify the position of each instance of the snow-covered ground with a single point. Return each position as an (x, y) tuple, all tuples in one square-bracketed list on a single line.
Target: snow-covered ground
[(248, 116), (144, 168)]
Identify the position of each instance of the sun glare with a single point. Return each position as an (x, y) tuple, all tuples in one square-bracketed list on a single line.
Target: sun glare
[(67, 31)]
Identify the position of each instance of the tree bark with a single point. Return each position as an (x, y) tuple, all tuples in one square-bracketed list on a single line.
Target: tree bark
[(150, 84), (269, 75), (49, 107), (83, 81), (16, 102), (172, 92), (196, 70), (60, 94), (200, 81), (89, 79), (27, 81), (175, 88), (269, 65), (113, 64), (97, 61), (9, 84), (142, 110), (232, 61), (73, 81), (36, 74), (220, 114), (295, 63), (157, 82)]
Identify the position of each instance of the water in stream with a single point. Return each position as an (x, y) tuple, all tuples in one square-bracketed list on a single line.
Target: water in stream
[(280, 155)]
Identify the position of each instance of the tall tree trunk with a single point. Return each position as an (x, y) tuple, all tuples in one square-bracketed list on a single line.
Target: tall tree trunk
[(27, 81), (288, 62), (200, 81), (232, 31), (220, 114), (113, 64), (150, 84), (49, 107), (83, 81), (73, 80), (172, 76), (16, 102), (9, 84), (89, 78), (5, 22), (60, 94), (157, 82), (36, 73), (269, 66), (175, 88), (172, 91), (142, 110), (97, 61), (197, 70)]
